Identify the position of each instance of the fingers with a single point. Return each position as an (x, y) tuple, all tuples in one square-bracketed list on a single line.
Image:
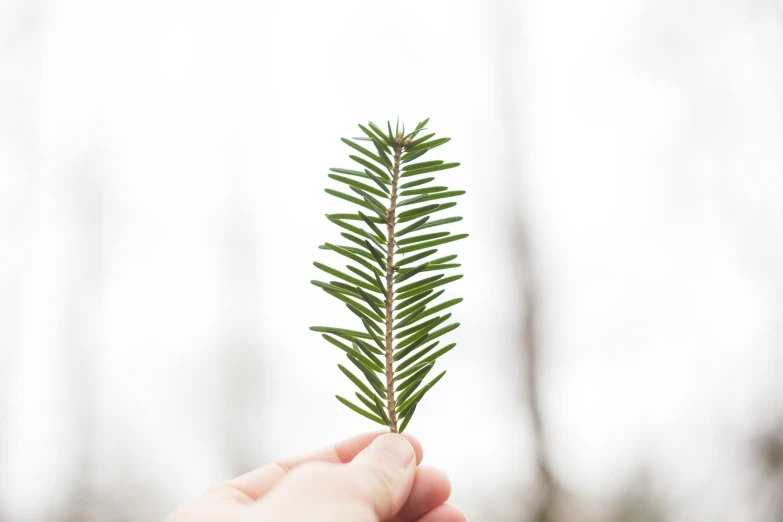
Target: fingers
[(373, 487), (257, 483), (431, 488), (444, 513)]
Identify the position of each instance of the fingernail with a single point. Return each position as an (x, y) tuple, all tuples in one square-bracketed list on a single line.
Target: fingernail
[(392, 448)]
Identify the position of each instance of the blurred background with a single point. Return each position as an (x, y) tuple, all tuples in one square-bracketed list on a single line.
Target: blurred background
[(162, 166)]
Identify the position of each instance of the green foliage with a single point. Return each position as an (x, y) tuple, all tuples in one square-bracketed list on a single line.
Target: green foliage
[(392, 283)]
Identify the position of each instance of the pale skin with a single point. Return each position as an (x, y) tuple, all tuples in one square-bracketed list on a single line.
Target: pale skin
[(375, 477)]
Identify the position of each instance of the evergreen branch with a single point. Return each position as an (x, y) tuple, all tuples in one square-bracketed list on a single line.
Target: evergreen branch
[(396, 351)]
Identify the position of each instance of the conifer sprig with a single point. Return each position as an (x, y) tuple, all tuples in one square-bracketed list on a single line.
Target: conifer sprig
[(392, 282)]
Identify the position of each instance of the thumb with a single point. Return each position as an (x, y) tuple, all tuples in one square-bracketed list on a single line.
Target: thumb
[(372, 487), (385, 469)]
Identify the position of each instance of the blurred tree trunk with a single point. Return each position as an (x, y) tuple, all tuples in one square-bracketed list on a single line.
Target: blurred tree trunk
[(512, 91), (769, 448), (548, 491), (240, 366), (85, 192)]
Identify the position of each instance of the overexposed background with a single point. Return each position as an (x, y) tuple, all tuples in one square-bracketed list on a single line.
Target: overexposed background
[(162, 166)]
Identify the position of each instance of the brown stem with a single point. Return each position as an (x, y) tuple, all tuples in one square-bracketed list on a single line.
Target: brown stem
[(390, 217)]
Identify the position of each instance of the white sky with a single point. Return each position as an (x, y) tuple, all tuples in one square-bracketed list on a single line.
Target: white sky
[(185, 144)]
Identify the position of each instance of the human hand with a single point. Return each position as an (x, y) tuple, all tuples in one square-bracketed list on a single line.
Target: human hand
[(370, 478)]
